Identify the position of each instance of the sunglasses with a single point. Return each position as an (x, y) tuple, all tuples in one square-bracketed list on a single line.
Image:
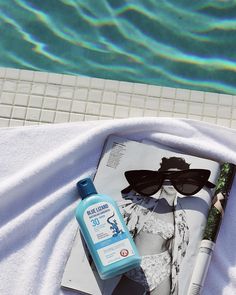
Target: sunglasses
[(186, 182)]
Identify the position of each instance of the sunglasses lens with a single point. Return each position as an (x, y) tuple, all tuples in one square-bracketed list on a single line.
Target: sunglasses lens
[(190, 182), (147, 189), (144, 182)]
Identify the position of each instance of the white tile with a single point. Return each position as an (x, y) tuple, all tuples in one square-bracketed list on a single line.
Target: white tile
[(181, 106), (64, 105), (105, 118), (233, 124), (69, 80), (209, 119), (44, 123), (4, 122), (140, 88), (34, 90), (38, 88), (97, 83), (93, 108), (109, 97), (48, 116), (223, 122), (90, 118), (54, 78), (138, 101), (152, 103), (12, 73), (10, 86), (30, 123), (2, 72), (21, 99), (62, 117), (50, 103), (234, 100), (135, 112), (210, 110), (224, 112), (5, 111), (234, 113), (107, 110), (19, 113), (150, 113), (166, 104), (76, 117), (211, 97), (15, 123), (178, 115), (83, 81), (35, 101), (194, 117), (154, 90), (168, 92), (7, 98), (123, 99), (165, 114), (81, 93), (121, 112), (95, 95), (33, 114), (40, 77), (26, 75), (111, 85), (126, 87), (52, 90), (225, 99), (197, 96), (24, 87), (78, 106), (182, 94), (195, 108)]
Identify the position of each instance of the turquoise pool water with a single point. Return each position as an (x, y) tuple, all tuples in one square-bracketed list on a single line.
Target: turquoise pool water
[(187, 44)]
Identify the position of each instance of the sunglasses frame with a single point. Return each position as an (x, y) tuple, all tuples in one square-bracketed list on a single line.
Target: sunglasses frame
[(169, 175)]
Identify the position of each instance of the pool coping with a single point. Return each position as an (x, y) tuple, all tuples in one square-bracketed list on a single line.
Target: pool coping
[(32, 98)]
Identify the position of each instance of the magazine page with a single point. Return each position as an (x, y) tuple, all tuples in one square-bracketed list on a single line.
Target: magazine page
[(215, 216), (164, 197), (80, 273), (78, 264), (214, 219)]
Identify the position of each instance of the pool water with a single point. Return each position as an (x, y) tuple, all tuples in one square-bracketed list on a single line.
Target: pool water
[(186, 44)]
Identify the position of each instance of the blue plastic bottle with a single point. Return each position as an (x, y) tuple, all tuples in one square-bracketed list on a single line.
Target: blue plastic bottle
[(105, 233)]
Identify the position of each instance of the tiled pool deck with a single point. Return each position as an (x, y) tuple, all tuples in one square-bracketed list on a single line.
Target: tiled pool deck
[(32, 98)]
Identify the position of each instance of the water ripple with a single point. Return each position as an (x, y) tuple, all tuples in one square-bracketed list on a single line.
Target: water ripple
[(172, 43)]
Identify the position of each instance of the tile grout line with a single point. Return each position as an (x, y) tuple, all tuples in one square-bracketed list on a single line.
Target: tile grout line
[(43, 100), (30, 77)]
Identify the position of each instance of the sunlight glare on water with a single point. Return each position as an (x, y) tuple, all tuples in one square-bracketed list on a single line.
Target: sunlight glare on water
[(186, 44)]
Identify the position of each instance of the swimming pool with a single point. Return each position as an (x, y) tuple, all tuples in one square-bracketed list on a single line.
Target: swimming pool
[(171, 43)]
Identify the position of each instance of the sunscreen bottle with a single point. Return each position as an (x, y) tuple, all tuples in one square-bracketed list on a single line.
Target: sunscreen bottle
[(105, 233)]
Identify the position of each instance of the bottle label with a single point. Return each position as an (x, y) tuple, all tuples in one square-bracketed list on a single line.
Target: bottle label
[(107, 233)]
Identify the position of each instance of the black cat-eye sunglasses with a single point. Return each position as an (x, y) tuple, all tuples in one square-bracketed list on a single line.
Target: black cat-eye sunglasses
[(186, 182)]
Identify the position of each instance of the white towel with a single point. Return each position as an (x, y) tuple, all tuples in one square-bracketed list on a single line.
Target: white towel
[(39, 168)]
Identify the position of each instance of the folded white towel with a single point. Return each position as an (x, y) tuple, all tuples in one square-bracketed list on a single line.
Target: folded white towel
[(39, 169)]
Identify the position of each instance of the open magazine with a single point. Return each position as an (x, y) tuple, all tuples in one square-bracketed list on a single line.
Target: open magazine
[(165, 198)]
